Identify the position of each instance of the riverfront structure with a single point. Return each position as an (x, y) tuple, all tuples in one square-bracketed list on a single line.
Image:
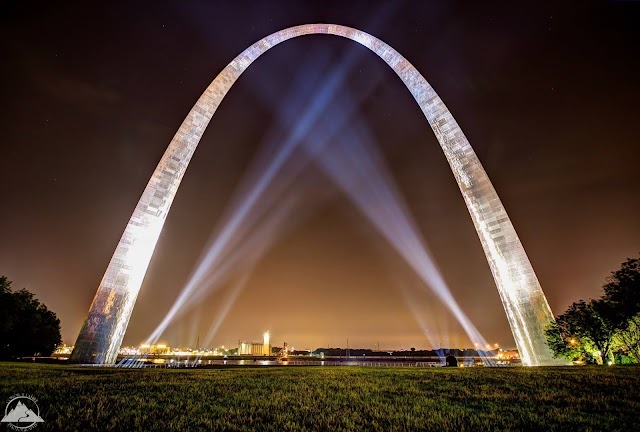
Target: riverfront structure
[(524, 302), (256, 348)]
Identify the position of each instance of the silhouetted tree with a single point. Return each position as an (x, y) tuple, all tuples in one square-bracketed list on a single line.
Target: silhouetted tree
[(622, 291), (623, 288), (6, 311), (27, 327)]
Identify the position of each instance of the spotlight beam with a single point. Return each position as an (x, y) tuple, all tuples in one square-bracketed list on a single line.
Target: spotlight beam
[(524, 302), (268, 177)]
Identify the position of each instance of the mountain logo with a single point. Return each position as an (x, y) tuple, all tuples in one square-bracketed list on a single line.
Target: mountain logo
[(22, 413)]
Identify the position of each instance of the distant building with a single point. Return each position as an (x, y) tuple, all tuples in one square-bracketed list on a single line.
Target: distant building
[(250, 348), (63, 350), (266, 343), (507, 357), (256, 348), (160, 349), (509, 354)]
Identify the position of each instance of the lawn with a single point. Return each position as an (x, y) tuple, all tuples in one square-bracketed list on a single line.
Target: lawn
[(329, 398)]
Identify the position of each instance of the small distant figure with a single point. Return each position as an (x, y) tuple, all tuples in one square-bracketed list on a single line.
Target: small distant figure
[(451, 361)]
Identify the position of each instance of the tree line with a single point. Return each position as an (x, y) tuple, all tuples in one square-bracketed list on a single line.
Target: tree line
[(27, 327), (605, 330)]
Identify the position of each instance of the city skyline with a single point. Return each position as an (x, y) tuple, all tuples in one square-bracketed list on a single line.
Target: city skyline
[(547, 187)]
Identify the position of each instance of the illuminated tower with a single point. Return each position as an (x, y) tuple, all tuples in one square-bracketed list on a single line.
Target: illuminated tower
[(266, 346), (524, 302)]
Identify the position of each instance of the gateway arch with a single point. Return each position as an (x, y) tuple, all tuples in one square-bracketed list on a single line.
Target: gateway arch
[(524, 302)]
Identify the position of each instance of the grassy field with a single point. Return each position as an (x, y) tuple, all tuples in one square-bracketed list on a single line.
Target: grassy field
[(330, 398)]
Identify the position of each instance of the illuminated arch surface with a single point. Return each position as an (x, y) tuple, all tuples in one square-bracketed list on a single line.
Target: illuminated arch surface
[(524, 302)]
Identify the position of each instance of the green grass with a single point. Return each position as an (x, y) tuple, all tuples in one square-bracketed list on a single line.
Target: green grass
[(330, 398)]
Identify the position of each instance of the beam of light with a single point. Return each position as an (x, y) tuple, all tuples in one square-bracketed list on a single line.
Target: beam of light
[(255, 245), (421, 322), (274, 169), (380, 201), (301, 128), (385, 195), (437, 328), (233, 294), (357, 167), (411, 304), (525, 304), (438, 331), (239, 215), (253, 240), (244, 254)]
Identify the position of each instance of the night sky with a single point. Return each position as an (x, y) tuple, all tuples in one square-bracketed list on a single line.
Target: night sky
[(547, 95)]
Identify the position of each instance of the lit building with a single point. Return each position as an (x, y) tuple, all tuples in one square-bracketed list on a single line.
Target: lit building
[(524, 302), (256, 348), (63, 350), (510, 355), (266, 344), (159, 349)]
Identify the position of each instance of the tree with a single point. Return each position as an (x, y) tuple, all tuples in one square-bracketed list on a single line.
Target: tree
[(622, 292), (602, 326), (629, 336), (6, 311), (593, 328), (563, 344), (27, 327), (585, 328), (623, 288)]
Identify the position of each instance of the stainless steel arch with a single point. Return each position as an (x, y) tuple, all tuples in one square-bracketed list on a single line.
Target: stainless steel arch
[(524, 302)]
